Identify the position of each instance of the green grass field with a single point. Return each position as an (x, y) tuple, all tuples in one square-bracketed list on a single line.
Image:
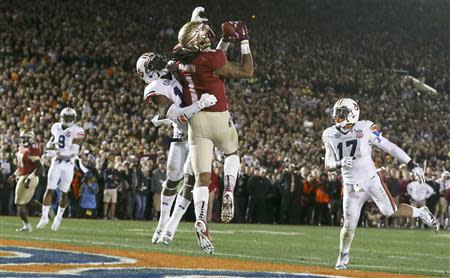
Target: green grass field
[(387, 250)]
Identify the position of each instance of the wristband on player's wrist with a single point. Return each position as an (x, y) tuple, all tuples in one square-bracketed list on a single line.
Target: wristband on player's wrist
[(245, 47), (338, 165), (412, 164), (223, 44)]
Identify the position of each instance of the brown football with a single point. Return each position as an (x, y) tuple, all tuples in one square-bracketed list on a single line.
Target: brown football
[(228, 29)]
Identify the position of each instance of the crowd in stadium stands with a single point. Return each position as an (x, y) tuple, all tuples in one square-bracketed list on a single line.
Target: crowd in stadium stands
[(82, 54)]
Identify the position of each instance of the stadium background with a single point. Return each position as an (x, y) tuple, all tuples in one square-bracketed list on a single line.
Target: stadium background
[(307, 55)]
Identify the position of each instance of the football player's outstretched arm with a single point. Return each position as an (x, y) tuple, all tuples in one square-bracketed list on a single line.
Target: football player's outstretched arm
[(395, 151), (182, 114), (232, 69)]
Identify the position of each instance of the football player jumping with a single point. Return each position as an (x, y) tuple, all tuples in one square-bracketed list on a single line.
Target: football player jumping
[(27, 175), (203, 70), (63, 146), (166, 92), (348, 147)]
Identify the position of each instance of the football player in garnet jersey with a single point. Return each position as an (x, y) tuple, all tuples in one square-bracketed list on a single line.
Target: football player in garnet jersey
[(29, 168), (348, 147), (64, 146), (166, 92), (203, 70)]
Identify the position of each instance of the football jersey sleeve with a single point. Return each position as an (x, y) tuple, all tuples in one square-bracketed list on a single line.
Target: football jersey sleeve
[(157, 87), (54, 130), (79, 133), (216, 59), (374, 133)]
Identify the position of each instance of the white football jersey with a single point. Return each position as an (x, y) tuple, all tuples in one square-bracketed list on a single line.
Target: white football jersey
[(65, 137), (173, 90), (356, 143)]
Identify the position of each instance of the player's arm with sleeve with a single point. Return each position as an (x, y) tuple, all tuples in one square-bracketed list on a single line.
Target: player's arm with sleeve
[(176, 113), (182, 114), (384, 144), (227, 69), (35, 159), (74, 148)]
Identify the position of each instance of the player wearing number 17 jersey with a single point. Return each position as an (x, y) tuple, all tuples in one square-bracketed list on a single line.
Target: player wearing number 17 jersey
[(64, 147), (348, 146), (203, 71)]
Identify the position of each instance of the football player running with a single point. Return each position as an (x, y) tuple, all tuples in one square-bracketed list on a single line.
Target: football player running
[(348, 147), (203, 70), (63, 146), (27, 175), (165, 91)]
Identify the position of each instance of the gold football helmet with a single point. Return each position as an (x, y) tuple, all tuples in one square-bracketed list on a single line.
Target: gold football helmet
[(195, 37)]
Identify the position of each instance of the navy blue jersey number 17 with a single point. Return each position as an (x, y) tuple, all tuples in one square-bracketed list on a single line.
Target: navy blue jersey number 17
[(349, 143)]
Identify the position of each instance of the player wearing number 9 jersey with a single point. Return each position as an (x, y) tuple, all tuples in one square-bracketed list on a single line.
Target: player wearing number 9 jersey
[(203, 70), (64, 147), (348, 147)]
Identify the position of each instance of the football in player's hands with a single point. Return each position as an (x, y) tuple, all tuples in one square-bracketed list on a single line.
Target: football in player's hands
[(234, 31), (207, 100)]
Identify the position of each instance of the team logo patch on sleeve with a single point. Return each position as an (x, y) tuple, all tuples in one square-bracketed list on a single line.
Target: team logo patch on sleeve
[(359, 134)]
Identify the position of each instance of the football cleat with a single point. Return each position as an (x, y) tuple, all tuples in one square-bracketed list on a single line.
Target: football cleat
[(428, 218), (167, 238), (42, 223), (227, 207), (203, 239), (56, 223), (156, 239), (25, 228), (342, 261)]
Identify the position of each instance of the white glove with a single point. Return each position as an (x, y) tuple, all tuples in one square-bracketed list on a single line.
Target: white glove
[(196, 15), (418, 174), (157, 122), (206, 100), (346, 162), (52, 145)]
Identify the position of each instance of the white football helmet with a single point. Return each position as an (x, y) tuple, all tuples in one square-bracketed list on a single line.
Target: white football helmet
[(151, 66), (196, 37), (345, 112), (68, 116)]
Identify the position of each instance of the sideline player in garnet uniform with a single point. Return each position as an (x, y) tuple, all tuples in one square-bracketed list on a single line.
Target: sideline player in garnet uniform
[(348, 146), (166, 92), (27, 175), (64, 146), (203, 71)]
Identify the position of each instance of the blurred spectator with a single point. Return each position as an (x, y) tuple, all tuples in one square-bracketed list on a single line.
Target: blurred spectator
[(335, 188), (88, 196), (259, 188), (322, 201), (419, 193), (444, 189), (111, 182), (157, 180), (143, 177)]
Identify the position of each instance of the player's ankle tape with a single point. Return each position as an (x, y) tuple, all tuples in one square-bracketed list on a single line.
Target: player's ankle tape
[(245, 47)]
